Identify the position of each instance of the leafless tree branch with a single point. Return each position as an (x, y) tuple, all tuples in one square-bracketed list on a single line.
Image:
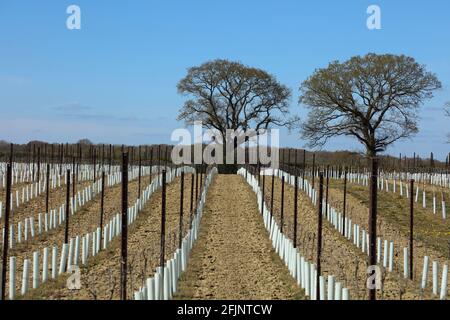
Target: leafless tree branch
[(374, 98)]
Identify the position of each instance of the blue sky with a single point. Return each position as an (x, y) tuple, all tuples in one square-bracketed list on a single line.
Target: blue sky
[(115, 79)]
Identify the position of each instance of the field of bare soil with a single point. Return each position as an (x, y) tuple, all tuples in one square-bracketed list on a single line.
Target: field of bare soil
[(100, 277), (339, 256), (431, 232), (233, 257)]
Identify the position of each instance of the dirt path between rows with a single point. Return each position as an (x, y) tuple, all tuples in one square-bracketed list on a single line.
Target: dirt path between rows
[(233, 257)]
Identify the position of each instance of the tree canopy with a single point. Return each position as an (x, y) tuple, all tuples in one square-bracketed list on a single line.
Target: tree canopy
[(374, 98), (229, 95)]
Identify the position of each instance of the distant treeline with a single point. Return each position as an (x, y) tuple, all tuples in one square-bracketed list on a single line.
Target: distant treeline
[(84, 151)]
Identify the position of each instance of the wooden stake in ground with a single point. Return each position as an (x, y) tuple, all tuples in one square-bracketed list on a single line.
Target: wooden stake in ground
[(271, 194), (110, 158), (263, 192), (345, 201), (319, 234), (327, 190), (201, 183), (313, 170), (282, 205), (295, 210), (196, 184), (102, 205), (124, 246), (47, 187), (94, 156), (151, 164), (163, 222), (38, 164), (191, 211), (411, 230), (74, 181), (304, 169), (159, 158), (140, 163), (66, 233), (59, 158), (6, 234), (373, 195), (180, 231)]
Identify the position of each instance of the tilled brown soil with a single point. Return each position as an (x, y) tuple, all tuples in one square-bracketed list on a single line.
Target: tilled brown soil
[(100, 278), (233, 257), (16, 186), (339, 256), (393, 224), (36, 205), (430, 229), (83, 221)]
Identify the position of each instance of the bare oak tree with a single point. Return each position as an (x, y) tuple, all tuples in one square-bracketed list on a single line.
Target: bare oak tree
[(374, 98), (229, 95)]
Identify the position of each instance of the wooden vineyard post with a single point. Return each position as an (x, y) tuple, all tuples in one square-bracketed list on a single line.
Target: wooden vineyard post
[(66, 231), (180, 231), (166, 157), (140, 164), (196, 185), (258, 167), (271, 194), (191, 210), (6, 223), (61, 155), (319, 235), (313, 171), (80, 155), (34, 163), (411, 229), (47, 187), (102, 205), (159, 158), (201, 183), (373, 195), (344, 209), (327, 190), (282, 205), (52, 155), (110, 158), (103, 157), (295, 210), (263, 192), (94, 155), (11, 158), (74, 182), (163, 224), (151, 164), (304, 169), (124, 242), (38, 164)]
